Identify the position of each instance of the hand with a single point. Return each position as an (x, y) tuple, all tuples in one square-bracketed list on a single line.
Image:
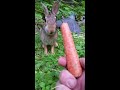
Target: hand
[(67, 81)]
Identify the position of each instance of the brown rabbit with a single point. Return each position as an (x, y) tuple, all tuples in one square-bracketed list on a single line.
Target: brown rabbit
[(49, 33)]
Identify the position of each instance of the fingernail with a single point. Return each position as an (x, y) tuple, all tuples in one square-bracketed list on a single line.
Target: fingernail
[(71, 83)]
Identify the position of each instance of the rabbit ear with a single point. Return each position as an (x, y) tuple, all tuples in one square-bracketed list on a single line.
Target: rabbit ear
[(46, 12), (55, 7)]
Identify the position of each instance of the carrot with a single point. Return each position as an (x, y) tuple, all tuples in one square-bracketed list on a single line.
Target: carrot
[(72, 58)]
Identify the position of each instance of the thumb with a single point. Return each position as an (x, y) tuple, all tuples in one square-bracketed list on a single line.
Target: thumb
[(67, 79)]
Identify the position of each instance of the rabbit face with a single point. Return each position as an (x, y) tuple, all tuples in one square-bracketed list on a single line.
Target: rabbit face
[(50, 18), (50, 27)]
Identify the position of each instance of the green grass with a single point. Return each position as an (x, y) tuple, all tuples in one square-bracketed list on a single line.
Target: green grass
[(46, 67)]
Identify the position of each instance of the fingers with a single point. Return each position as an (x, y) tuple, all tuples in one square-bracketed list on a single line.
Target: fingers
[(80, 83), (62, 61), (67, 79), (60, 86)]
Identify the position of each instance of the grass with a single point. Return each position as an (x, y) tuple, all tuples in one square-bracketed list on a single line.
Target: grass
[(46, 67)]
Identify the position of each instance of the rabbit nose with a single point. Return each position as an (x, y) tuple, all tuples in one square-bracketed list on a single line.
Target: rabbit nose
[(51, 32)]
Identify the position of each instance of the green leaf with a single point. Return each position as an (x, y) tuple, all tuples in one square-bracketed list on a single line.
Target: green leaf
[(48, 87), (50, 81), (37, 76), (43, 88), (66, 8), (37, 65), (42, 84), (78, 47)]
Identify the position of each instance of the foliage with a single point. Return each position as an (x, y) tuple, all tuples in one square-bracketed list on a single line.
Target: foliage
[(64, 9)]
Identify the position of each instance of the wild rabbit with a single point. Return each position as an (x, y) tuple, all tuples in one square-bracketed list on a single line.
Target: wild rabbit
[(49, 32)]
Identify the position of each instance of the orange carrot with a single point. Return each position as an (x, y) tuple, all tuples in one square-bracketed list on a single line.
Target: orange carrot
[(72, 58)]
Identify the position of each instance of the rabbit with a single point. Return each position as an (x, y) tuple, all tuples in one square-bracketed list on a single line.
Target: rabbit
[(49, 33)]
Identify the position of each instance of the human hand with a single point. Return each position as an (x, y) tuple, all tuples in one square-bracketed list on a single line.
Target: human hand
[(67, 81)]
